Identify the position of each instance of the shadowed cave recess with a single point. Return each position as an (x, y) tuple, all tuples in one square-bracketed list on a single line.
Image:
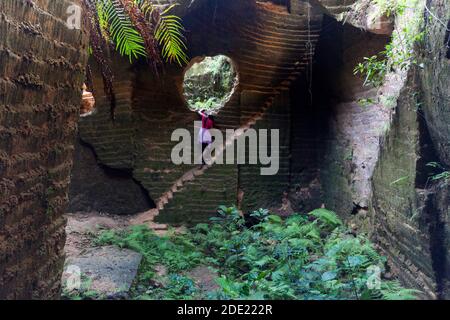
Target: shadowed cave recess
[(376, 154)]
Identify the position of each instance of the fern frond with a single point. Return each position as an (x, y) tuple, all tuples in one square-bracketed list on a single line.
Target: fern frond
[(127, 39), (169, 33), (145, 29), (133, 24)]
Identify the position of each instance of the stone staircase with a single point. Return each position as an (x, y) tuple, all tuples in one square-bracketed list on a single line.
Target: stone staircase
[(285, 45), (191, 175)]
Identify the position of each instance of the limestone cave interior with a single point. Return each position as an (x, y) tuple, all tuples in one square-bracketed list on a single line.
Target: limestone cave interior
[(347, 100)]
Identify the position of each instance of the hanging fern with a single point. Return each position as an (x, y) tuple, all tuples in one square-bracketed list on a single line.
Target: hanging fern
[(168, 31), (127, 39), (169, 34), (133, 25), (96, 48), (138, 29)]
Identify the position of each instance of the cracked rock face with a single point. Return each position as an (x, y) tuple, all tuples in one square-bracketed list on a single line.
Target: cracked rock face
[(436, 80), (40, 92), (378, 24)]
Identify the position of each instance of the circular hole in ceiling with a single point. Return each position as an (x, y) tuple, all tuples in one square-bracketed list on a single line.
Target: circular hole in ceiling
[(209, 83)]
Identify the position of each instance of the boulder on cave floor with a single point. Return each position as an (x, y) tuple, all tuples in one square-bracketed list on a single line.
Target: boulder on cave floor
[(104, 271)]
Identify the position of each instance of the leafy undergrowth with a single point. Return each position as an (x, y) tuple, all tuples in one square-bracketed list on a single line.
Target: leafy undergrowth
[(306, 256)]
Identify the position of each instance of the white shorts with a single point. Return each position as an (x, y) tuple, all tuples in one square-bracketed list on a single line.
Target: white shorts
[(204, 136)]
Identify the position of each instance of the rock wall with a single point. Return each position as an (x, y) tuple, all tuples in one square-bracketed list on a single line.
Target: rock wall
[(94, 188), (438, 206), (436, 77), (410, 210), (336, 137), (41, 73), (399, 201), (368, 162)]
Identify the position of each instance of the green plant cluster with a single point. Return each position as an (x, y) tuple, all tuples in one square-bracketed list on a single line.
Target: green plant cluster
[(116, 26), (373, 68), (392, 7), (399, 52), (306, 256)]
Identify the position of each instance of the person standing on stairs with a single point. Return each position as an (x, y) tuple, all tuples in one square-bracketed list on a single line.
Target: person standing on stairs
[(204, 136)]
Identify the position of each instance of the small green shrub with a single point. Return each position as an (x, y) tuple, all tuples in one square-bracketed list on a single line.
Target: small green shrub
[(399, 52), (441, 175), (374, 70), (177, 253)]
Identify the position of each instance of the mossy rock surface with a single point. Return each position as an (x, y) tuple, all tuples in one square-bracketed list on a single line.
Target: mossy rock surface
[(209, 84)]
